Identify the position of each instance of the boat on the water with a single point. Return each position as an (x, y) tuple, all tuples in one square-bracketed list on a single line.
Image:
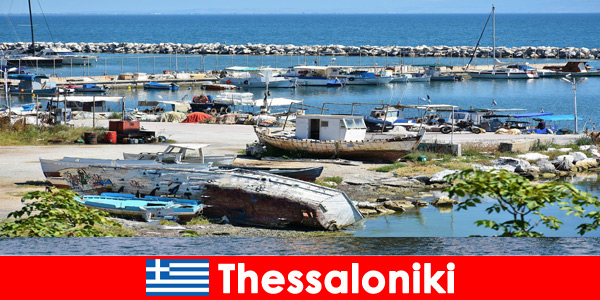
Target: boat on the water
[(89, 88), (504, 71), (343, 136), (159, 86), (575, 68), (32, 84), (145, 208), (68, 57), (244, 197), (314, 76), (218, 86), (248, 77), (183, 153)]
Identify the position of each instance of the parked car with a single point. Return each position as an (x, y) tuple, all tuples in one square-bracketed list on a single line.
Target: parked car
[(374, 124)]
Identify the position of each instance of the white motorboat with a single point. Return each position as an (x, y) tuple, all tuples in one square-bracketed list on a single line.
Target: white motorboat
[(67, 56), (248, 77), (314, 76)]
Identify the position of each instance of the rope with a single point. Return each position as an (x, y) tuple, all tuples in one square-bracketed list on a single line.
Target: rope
[(44, 15)]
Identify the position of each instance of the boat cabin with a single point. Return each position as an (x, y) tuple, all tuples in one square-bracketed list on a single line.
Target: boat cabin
[(32, 84), (331, 127)]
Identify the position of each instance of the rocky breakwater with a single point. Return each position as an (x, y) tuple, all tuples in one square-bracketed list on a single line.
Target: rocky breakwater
[(339, 50)]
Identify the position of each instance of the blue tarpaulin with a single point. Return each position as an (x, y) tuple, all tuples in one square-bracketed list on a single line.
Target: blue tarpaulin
[(559, 118), (532, 115)]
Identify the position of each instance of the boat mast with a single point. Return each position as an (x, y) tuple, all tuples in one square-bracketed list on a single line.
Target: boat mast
[(31, 24), (494, 37)]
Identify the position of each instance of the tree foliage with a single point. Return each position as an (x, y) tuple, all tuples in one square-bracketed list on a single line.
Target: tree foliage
[(524, 201), (56, 214)]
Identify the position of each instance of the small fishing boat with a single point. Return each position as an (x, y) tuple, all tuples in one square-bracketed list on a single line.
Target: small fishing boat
[(183, 153), (159, 86), (32, 84), (342, 136), (146, 208), (218, 87), (89, 88), (306, 174)]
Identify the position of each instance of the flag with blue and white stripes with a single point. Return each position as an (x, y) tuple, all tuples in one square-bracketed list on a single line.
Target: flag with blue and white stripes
[(177, 277)]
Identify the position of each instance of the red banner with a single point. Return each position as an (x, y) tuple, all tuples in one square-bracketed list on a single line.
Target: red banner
[(298, 277)]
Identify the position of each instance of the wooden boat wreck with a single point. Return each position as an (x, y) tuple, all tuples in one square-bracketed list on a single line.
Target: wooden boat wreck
[(339, 136), (244, 197), (306, 174), (51, 167), (146, 208)]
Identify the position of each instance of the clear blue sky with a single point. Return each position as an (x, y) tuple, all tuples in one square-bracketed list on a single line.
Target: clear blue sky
[(300, 6)]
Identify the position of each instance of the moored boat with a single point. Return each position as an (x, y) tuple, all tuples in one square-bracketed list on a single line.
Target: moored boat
[(159, 86), (183, 153)]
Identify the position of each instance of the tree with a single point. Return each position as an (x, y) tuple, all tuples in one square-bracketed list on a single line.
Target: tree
[(57, 214), (523, 200)]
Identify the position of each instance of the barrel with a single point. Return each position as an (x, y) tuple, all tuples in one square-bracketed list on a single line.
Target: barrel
[(90, 138), (110, 137)]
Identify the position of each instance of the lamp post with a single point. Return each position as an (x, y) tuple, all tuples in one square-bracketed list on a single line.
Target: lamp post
[(574, 86)]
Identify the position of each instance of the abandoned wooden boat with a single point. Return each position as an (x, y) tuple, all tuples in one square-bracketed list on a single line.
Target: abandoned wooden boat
[(306, 174), (51, 167), (244, 197), (183, 153), (146, 208), (342, 136)]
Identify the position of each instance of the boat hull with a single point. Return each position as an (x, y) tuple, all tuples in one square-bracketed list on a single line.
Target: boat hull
[(501, 75), (368, 80), (275, 82), (388, 150), (245, 197)]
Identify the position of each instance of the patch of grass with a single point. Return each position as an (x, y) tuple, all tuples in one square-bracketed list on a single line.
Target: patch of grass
[(170, 141), (167, 222), (325, 184), (115, 230), (584, 140), (426, 168), (190, 233), (200, 220), (478, 149), (388, 168), (21, 135), (115, 115), (540, 145), (336, 179)]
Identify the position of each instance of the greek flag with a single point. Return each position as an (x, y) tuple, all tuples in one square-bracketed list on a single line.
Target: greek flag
[(176, 277), (494, 102)]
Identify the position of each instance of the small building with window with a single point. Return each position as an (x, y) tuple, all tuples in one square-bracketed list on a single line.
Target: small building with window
[(331, 127)]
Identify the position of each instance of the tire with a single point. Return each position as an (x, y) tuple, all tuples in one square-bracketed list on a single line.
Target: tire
[(351, 79), (446, 129), (213, 111), (228, 110), (245, 81), (475, 130)]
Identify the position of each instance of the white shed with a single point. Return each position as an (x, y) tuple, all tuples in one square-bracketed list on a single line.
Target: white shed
[(331, 127)]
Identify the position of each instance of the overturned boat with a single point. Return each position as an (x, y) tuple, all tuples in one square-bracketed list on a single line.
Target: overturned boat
[(244, 197), (342, 136)]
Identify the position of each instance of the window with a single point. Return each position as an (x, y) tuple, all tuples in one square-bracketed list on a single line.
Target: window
[(324, 123)]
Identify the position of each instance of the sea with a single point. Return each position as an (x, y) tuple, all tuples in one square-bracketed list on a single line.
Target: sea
[(426, 231)]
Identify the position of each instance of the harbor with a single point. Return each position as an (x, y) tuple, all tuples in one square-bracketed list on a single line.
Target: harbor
[(289, 139)]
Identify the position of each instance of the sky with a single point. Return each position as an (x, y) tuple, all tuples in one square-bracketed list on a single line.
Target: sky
[(297, 7)]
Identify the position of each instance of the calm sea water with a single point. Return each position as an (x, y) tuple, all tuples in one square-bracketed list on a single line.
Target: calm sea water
[(559, 30)]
